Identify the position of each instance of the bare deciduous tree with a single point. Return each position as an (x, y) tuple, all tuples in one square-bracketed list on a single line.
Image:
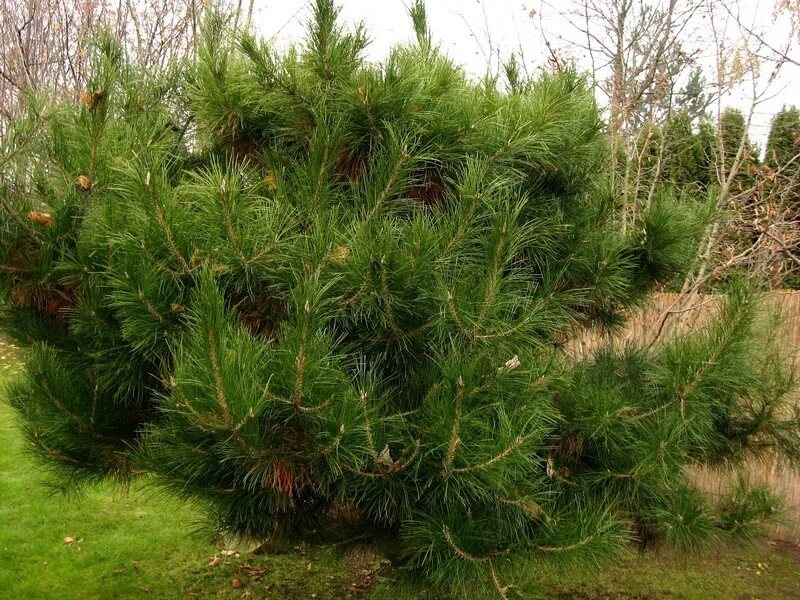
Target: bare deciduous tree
[(44, 43)]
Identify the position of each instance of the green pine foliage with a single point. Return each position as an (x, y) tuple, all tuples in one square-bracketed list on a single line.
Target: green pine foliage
[(688, 152), (330, 300), (781, 174), (783, 142), (782, 160), (678, 155), (694, 98), (735, 142)]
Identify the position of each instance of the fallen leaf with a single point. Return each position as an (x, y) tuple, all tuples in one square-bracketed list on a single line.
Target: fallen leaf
[(236, 583), (213, 561), (254, 572), (84, 183), (42, 218), (340, 254), (531, 508), (91, 98), (366, 581), (71, 540), (385, 458), (227, 552)]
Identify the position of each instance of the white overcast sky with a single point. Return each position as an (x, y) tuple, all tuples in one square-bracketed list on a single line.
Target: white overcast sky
[(462, 29)]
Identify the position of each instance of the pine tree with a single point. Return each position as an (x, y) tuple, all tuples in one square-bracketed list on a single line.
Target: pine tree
[(689, 153), (705, 148), (735, 142), (330, 300), (683, 156), (781, 192), (783, 142), (692, 99)]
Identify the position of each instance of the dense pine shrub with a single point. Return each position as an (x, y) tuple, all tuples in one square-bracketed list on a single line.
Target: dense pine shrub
[(332, 300)]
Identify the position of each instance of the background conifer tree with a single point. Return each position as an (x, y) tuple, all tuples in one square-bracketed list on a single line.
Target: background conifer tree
[(783, 142), (781, 174), (688, 152), (733, 136), (329, 300)]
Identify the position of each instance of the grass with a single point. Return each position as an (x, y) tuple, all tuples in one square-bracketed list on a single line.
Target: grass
[(137, 544), (768, 571)]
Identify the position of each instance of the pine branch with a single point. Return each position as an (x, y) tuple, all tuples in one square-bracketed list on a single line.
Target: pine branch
[(395, 467), (404, 335), (493, 277), (215, 369), (367, 428), (451, 306), (149, 307), (460, 551), (502, 590), (587, 540), (320, 179), (650, 413), (454, 435), (185, 270), (516, 444), (389, 186), (463, 225), (247, 417), (386, 301), (686, 390), (336, 441), (208, 425), (531, 508), (82, 424), (359, 293), (36, 439), (226, 216), (501, 334), (299, 369)]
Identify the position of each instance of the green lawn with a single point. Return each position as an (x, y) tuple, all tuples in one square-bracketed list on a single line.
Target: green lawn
[(135, 544)]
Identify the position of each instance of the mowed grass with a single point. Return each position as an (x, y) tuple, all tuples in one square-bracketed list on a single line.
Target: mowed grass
[(767, 571), (137, 544)]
